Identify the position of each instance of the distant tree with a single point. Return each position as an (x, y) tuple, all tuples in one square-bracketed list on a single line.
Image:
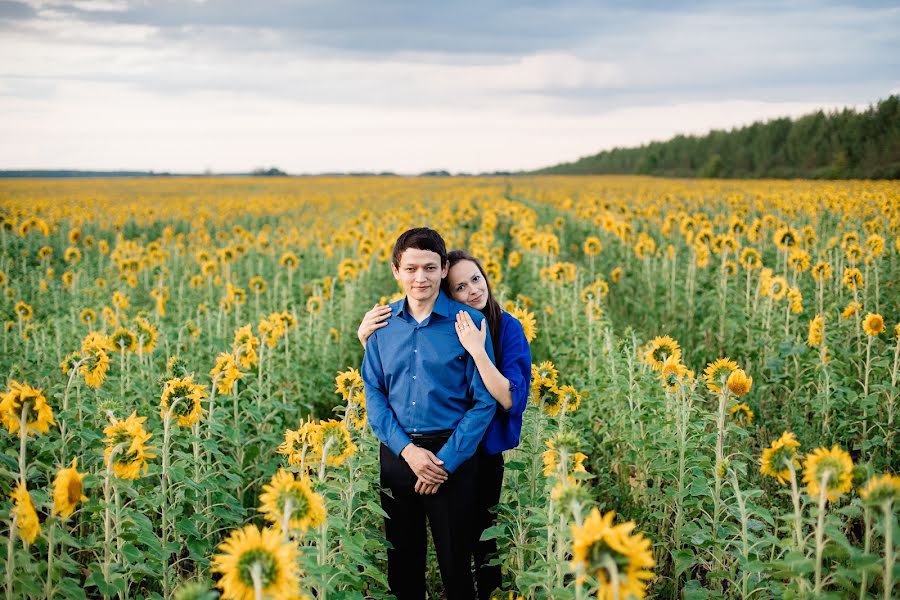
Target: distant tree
[(270, 172)]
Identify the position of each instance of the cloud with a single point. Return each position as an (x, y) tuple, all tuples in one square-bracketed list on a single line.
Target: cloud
[(352, 71)]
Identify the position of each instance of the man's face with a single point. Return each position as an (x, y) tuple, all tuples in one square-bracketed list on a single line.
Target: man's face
[(420, 273)]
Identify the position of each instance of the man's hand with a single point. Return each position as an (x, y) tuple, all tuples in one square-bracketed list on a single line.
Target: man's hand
[(426, 489), (424, 464)]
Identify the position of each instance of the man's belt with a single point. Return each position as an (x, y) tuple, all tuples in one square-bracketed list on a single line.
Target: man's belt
[(430, 437)]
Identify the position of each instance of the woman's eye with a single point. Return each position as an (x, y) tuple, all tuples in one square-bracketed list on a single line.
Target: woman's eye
[(476, 278)]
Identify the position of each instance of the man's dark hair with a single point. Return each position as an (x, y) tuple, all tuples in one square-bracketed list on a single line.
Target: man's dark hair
[(420, 238)]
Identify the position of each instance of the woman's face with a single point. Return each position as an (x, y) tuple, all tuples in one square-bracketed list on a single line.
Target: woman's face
[(467, 284)]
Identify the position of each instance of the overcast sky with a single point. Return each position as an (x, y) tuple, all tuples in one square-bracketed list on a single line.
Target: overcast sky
[(370, 85)]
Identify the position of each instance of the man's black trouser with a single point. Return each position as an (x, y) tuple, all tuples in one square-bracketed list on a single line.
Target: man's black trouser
[(450, 513), (490, 483)]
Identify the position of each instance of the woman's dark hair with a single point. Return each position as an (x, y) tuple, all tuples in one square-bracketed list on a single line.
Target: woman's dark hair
[(420, 238), (492, 311)]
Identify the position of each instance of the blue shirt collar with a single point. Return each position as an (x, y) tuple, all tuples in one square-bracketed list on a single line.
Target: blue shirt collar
[(441, 305)]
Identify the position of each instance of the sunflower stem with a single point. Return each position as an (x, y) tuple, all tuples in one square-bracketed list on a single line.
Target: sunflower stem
[(820, 531), (11, 555), (107, 515), (256, 575), (164, 484), (888, 549), (48, 585), (867, 547), (795, 497)]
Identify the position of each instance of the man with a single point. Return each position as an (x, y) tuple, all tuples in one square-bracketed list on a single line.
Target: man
[(428, 406)]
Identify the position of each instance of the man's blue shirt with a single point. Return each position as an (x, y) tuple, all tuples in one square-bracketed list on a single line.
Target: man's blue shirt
[(419, 379)]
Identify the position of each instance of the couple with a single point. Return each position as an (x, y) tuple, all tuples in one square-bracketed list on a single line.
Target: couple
[(445, 396)]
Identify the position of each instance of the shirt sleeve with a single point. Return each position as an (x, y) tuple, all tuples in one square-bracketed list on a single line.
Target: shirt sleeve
[(470, 429), (516, 366), (381, 416)]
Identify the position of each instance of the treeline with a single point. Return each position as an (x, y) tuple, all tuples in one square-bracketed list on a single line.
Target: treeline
[(838, 145)]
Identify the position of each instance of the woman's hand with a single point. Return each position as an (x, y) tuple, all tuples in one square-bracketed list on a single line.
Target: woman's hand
[(374, 319), (472, 338)]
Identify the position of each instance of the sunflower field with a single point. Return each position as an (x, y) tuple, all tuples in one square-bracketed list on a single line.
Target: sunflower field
[(715, 387)]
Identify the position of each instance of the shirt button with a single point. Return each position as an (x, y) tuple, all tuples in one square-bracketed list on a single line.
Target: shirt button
[(414, 403), (416, 351), (415, 430), (414, 376)]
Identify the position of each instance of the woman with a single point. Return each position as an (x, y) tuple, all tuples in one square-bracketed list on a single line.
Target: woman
[(508, 382)]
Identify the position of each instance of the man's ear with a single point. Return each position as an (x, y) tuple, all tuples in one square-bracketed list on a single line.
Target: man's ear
[(395, 271), (445, 270)]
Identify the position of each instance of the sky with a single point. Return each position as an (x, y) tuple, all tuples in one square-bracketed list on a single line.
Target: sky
[(313, 86)]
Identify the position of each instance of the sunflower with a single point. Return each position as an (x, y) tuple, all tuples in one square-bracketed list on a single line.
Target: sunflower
[(123, 340), (563, 447), (616, 275), (751, 259), (284, 493), (816, 331), (777, 287), (674, 374), (595, 291), (147, 335), (297, 445), (795, 298), (95, 367), (851, 309), (550, 402), (250, 552), (873, 324), (356, 410), (228, 373), (23, 311), (718, 372), (597, 544), (332, 439), (821, 271), (833, 467), (68, 363), (853, 278), (314, 305), (875, 245), (853, 253), (568, 397), (741, 413), (289, 261), (257, 284), (88, 316), (44, 253), (39, 417), (528, 322), (659, 350), (23, 511), (776, 458), (245, 346), (881, 489), (192, 395), (544, 374), (592, 246), (68, 490), (72, 255), (132, 456), (120, 301), (348, 383), (786, 238)]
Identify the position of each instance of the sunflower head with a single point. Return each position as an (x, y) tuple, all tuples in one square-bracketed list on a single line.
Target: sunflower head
[(739, 383), (659, 349), (881, 489), (251, 557), (873, 324), (829, 472), (853, 278), (717, 373), (126, 446), (22, 397), (331, 439), (23, 511), (821, 271), (816, 331), (68, 490), (528, 322), (741, 414), (286, 495), (600, 548), (183, 399), (777, 459), (851, 309)]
